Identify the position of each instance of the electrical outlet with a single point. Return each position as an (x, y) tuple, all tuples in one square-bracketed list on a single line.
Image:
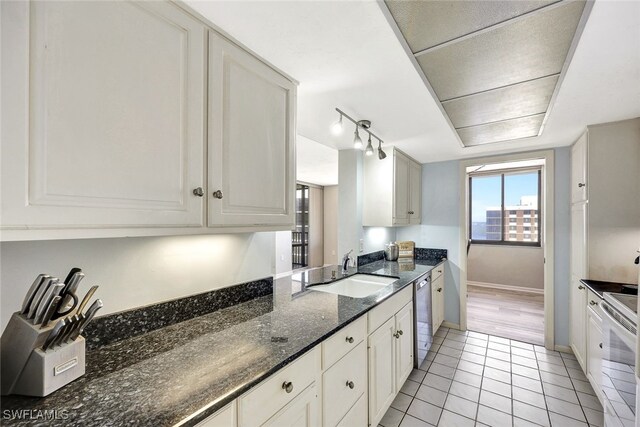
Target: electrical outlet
[(361, 245), (281, 257)]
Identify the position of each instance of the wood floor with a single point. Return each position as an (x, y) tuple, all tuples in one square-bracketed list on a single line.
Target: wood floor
[(505, 313)]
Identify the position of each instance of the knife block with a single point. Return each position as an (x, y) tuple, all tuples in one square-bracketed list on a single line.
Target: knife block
[(28, 370)]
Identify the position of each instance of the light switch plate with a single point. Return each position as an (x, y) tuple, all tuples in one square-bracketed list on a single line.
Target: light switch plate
[(361, 245)]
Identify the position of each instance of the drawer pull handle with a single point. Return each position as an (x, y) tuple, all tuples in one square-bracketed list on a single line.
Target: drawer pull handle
[(600, 345), (592, 302), (350, 384), (580, 287), (581, 184), (349, 340), (439, 271), (397, 334), (287, 386), (439, 289)]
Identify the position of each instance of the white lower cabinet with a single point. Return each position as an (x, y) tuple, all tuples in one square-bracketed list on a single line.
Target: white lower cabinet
[(594, 344), (357, 416), (578, 296), (225, 417), (437, 300), (300, 412)]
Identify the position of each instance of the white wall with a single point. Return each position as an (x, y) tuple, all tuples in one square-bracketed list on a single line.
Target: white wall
[(133, 272), (376, 238), (441, 204), (519, 266), (349, 202), (331, 224)]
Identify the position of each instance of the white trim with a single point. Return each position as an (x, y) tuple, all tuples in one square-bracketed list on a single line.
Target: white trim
[(547, 236), (505, 287), (563, 349), (451, 325)]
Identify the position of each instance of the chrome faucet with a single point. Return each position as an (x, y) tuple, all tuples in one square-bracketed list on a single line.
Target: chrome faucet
[(345, 261)]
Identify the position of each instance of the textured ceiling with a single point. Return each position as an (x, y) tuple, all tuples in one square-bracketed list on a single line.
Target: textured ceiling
[(493, 65)]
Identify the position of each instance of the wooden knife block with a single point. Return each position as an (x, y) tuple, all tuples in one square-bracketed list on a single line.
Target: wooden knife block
[(28, 370)]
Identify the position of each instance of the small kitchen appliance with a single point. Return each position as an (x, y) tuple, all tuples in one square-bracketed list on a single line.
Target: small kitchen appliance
[(391, 251)]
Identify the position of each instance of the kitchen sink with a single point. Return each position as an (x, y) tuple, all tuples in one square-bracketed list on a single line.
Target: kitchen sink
[(356, 286)]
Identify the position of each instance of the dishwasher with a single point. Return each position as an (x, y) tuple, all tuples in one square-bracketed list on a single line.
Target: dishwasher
[(422, 333)]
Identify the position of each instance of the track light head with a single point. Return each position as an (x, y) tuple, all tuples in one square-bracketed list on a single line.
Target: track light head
[(336, 128), (369, 150), (357, 141), (381, 154)]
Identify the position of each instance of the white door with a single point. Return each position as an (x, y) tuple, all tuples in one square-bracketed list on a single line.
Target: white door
[(103, 115), (404, 344), (400, 189), (578, 331), (579, 246), (594, 351), (415, 192), (251, 140), (382, 371), (300, 412), (579, 170)]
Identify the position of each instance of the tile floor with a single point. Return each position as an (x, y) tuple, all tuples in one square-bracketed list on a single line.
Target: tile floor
[(473, 379)]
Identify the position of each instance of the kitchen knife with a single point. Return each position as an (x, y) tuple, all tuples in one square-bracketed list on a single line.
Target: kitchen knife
[(69, 300), (53, 306), (32, 291), (72, 273), (71, 280), (38, 296), (79, 329), (75, 323), (88, 316), (86, 299), (52, 292), (55, 332), (58, 339)]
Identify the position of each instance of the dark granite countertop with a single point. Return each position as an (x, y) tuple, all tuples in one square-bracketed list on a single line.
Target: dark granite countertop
[(161, 377), (599, 287)]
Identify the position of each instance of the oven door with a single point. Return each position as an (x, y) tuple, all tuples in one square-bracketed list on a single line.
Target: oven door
[(618, 368)]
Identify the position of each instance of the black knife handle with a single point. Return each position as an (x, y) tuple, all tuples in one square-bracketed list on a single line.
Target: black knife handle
[(58, 314)]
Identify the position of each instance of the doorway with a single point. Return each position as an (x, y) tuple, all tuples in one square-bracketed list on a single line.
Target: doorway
[(506, 285)]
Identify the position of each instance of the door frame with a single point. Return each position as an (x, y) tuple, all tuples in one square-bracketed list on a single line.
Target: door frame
[(547, 177)]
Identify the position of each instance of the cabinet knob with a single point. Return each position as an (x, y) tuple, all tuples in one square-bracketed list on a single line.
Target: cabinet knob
[(592, 302), (397, 335), (439, 289), (410, 212), (350, 384), (198, 192), (217, 194), (600, 345), (287, 386), (439, 271), (349, 340), (581, 184), (580, 287)]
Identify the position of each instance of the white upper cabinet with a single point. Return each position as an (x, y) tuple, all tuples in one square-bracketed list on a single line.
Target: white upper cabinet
[(106, 127), (392, 190), (579, 170), (251, 139), (106, 130)]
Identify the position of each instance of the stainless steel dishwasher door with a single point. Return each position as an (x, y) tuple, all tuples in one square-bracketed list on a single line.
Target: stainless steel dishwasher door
[(422, 337)]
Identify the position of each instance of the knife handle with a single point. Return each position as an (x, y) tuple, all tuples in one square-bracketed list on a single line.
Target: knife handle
[(73, 306)]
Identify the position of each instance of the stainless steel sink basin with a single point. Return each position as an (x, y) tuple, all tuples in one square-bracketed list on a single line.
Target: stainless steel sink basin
[(356, 286)]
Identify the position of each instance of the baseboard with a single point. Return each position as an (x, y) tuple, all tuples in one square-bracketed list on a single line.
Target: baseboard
[(505, 287), (450, 325), (563, 348)]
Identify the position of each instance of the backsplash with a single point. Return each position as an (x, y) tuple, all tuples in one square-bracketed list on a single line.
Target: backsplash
[(428, 253), (369, 258), (126, 324)]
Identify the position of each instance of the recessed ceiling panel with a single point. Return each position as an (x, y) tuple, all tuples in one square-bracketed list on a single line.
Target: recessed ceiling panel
[(506, 130), (525, 49), (518, 100), (425, 24)]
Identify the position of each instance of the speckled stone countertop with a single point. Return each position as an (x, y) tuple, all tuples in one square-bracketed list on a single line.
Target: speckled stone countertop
[(599, 287), (162, 377)]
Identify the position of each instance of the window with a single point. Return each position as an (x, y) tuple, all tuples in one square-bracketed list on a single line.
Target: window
[(300, 236), (500, 201)]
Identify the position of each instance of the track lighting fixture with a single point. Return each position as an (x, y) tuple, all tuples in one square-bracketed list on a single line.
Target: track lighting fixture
[(369, 150), (336, 128), (381, 154), (365, 125), (357, 141)]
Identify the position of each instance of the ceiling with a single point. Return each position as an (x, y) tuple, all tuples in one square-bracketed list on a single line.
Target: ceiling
[(346, 54), (493, 65), (316, 163)]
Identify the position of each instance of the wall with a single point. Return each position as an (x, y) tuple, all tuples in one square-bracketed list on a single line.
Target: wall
[(440, 229), (376, 238), (441, 204), (349, 202), (137, 271), (331, 224), (614, 201), (283, 252), (497, 265)]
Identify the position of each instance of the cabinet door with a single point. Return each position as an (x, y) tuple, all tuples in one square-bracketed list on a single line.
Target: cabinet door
[(343, 384), (225, 417), (382, 371), (594, 350), (437, 302), (404, 344), (251, 140), (400, 189), (300, 412), (106, 118), (415, 192), (357, 415), (579, 246), (579, 170), (578, 320)]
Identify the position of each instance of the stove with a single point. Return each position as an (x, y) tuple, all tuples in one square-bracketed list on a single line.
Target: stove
[(625, 304)]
